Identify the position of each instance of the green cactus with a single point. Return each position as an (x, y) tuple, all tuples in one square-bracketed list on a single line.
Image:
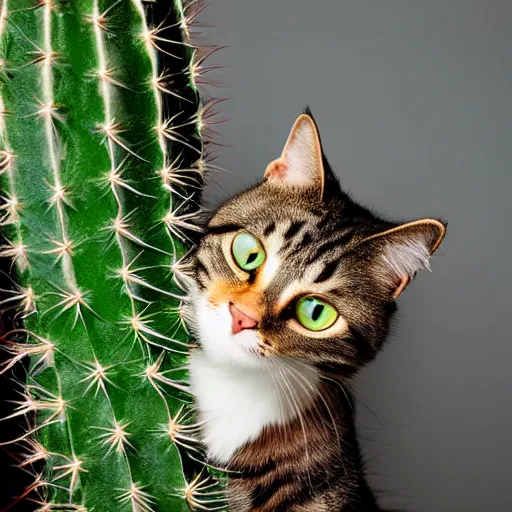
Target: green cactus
[(101, 159)]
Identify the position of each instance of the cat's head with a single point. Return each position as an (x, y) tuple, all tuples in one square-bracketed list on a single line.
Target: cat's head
[(293, 267)]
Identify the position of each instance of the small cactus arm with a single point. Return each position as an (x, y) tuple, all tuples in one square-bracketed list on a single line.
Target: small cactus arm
[(102, 158)]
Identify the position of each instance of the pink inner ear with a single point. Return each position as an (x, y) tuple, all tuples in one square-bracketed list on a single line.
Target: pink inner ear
[(277, 169)]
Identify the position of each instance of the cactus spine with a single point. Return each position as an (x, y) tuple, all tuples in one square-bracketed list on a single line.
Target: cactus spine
[(102, 149)]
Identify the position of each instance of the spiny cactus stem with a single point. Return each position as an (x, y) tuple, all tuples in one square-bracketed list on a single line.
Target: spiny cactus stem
[(165, 129), (139, 500), (55, 404), (90, 415), (188, 20), (152, 373), (129, 275), (155, 80), (59, 414), (12, 203), (47, 113), (100, 23), (199, 497), (43, 349), (120, 225), (116, 438), (47, 402)]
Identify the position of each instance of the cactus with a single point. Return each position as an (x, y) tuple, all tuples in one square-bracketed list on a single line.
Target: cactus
[(102, 153)]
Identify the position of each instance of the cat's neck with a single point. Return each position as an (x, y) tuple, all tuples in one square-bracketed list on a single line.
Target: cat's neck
[(236, 404), (281, 451)]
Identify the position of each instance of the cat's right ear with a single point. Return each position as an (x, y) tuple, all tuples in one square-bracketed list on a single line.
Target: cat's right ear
[(300, 163), (403, 250)]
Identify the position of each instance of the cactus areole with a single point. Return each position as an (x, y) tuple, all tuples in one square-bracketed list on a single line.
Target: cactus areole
[(101, 157)]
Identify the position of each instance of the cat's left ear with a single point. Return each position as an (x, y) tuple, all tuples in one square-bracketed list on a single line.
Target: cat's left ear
[(403, 250), (300, 163)]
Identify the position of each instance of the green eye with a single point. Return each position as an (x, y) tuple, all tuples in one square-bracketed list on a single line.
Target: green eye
[(247, 251), (315, 314)]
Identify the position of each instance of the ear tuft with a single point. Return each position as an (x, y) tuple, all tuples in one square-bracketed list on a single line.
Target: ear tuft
[(407, 257), (300, 163), (406, 249)]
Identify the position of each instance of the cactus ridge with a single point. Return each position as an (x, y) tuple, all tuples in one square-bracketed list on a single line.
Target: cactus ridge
[(105, 144)]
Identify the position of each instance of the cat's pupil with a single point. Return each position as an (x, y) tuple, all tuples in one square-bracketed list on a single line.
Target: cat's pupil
[(317, 311), (252, 256)]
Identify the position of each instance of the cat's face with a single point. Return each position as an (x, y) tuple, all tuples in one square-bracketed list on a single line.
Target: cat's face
[(294, 268)]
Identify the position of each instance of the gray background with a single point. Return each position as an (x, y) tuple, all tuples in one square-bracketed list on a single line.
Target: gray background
[(414, 104)]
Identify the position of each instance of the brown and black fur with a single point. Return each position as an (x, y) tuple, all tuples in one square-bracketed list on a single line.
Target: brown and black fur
[(285, 470), (278, 472)]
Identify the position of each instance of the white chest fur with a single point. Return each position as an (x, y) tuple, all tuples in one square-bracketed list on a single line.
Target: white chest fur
[(236, 403)]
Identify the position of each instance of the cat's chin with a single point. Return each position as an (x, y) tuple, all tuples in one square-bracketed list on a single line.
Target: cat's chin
[(213, 325)]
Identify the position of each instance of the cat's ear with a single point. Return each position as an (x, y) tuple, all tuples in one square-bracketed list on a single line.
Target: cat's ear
[(300, 162), (403, 250)]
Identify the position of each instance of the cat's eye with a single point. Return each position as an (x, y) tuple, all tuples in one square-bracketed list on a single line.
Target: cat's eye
[(315, 314), (247, 251)]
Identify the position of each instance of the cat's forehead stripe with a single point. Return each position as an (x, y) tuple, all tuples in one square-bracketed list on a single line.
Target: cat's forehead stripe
[(222, 229), (340, 240), (295, 227), (269, 229), (327, 271), (282, 241), (300, 285)]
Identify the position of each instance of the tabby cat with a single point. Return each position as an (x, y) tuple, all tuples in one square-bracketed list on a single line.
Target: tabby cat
[(295, 285)]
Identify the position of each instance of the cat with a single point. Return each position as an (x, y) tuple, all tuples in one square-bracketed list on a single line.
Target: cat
[(294, 288)]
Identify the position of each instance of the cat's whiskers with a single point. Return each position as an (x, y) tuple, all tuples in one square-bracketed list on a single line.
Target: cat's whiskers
[(288, 423), (339, 437), (312, 392), (338, 383), (281, 406), (296, 406), (316, 393), (286, 419)]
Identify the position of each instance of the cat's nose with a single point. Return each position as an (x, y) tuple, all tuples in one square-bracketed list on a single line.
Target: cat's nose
[(240, 320)]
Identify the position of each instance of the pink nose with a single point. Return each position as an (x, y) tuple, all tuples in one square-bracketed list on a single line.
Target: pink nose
[(240, 320)]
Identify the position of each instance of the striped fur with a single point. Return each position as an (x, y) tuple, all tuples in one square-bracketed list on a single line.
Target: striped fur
[(274, 400)]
